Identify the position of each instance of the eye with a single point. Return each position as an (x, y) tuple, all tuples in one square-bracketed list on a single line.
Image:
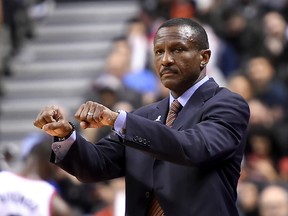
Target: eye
[(158, 52), (178, 50)]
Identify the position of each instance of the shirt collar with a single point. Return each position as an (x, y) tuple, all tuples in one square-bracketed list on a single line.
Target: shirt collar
[(189, 92)]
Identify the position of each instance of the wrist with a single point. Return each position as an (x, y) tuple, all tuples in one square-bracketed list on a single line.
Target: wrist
[(113, 117), (68, 135)]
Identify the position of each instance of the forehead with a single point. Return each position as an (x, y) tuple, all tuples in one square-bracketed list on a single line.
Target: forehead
[(183, 33)]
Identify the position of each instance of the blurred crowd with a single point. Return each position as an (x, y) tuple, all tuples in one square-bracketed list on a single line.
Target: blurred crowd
[(249, 43)]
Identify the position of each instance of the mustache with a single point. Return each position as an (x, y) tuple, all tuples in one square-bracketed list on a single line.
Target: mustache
[(168, 70)]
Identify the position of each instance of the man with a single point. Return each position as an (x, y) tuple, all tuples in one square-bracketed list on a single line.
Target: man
[(190, 167), (273, 201), (28, 192)]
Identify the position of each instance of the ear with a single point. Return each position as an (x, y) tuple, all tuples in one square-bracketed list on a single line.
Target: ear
[(205, 57)]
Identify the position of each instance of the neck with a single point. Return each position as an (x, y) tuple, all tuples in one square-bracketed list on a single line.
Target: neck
[(180, 92)]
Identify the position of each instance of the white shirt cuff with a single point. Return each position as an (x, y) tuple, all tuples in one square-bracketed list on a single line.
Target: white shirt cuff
[(61, 148), (120, 123)]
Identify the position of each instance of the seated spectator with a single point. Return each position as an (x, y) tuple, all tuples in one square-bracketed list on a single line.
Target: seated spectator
[(273, 201), (275, 41), (239, 83), (270, 91), (261, 157), (248, 195), (283, 169)]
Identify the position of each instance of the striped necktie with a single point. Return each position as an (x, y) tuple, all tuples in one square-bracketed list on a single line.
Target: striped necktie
[(155, 208), (173, 111)]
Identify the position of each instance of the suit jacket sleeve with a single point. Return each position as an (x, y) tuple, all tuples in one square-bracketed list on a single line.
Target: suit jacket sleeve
[(94, 162), (210, 133)]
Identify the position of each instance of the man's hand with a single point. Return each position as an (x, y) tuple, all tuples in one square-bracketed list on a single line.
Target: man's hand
[(95, 115), (52, 121)]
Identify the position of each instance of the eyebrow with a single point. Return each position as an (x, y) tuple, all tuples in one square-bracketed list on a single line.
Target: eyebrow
[(180, 41)]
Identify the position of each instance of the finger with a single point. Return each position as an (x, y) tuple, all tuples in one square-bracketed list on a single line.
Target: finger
[(91, 113), (86, 108), (37, 124), (98, 113), (83, 124), (57, 115), (94, 124), (50, 128), (49, 115), (60, 128), (79, 111), (40, 120)]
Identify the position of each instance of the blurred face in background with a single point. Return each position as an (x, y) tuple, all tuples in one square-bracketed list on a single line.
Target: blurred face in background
[(273, 202), (241, 85), (274, 25), (260, 71)]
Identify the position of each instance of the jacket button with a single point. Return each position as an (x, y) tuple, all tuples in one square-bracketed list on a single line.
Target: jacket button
[(147, 194), (140, 140)]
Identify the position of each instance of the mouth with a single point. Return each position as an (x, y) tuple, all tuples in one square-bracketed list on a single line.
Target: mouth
[(167, 72)]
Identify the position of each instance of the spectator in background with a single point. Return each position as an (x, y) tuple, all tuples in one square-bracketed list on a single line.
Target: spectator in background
[(275, 43), (109, 86), (8, 156), (136, 87), (138, 41), (275, 37), (182, 8), (113, 194), (270, 92), (261, 156), (248, 195), (241, 84), (79, 196), (117, 66), (28, 192), (152, 20), (213, 69), (283, 169), (273, 201), (241, 35)]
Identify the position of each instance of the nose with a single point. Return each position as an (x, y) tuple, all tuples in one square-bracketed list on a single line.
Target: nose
[(167, 59)]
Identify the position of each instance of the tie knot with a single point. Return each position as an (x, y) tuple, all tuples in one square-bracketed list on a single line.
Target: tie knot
[(175, 106)]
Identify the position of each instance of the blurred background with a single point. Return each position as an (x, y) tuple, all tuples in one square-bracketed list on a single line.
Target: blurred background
[(65, 52)]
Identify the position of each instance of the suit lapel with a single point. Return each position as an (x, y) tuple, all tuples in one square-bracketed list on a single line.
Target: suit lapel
[(196, 101), (160, 112)]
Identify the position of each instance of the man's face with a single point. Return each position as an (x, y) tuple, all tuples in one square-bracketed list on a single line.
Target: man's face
[(177, 59)]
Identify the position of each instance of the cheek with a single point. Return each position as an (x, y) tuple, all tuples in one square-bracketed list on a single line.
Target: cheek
[(187, 61), (184, 65), (157, 64)]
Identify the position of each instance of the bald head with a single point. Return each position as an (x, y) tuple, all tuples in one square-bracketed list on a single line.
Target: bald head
[(273, 201)]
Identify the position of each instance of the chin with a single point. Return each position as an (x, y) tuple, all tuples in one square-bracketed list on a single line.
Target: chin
[(169, 83)]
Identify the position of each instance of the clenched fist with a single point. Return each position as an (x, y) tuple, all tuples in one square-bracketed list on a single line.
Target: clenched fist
[(90, 115), (95, 115), (51, 120)]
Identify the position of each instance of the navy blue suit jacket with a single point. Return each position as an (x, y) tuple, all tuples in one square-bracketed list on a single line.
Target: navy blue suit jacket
[(193, 167)]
